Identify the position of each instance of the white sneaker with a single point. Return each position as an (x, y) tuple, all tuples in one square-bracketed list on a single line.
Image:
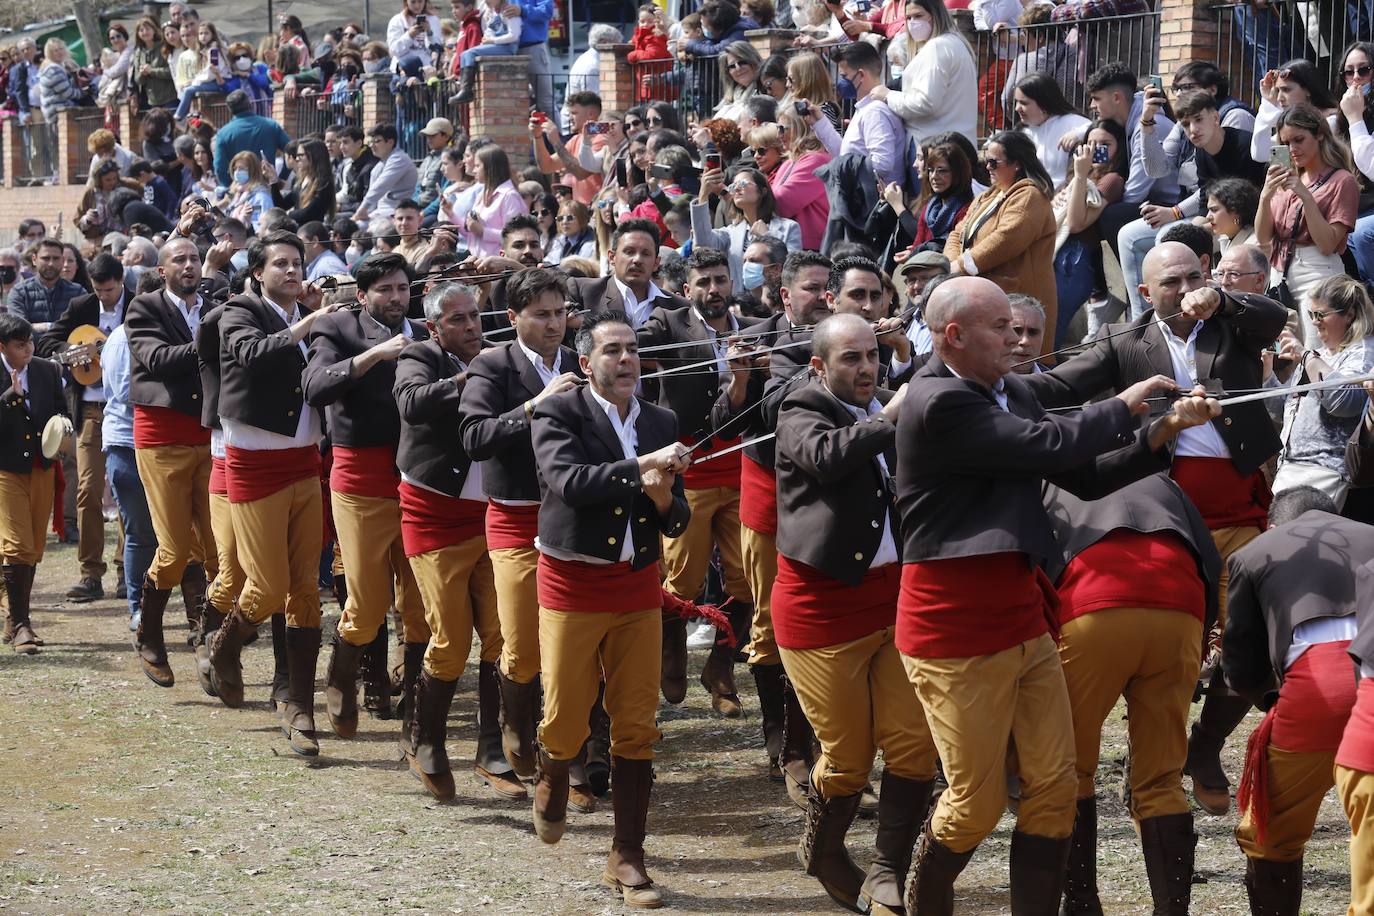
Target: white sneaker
[(703, 636)]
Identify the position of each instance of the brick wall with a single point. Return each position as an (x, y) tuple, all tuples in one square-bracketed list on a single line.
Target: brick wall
[(45, 203), (617, 83), (502, 108), (1187, 32)]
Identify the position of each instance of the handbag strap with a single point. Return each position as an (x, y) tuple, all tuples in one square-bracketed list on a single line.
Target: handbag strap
[(1291, 243)]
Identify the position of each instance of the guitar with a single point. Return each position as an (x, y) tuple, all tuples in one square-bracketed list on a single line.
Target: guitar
[(85, 368)]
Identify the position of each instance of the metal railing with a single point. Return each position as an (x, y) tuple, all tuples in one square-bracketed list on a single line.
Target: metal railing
[(317, 111), (84, 122), (1251, 42), (1068, 51)]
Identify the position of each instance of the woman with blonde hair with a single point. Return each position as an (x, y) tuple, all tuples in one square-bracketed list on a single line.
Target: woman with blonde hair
[(603, 223), (765, 144), (1318, 424), (808, 80), (940, 84), (740, 63), (496, 202), (247, 198), (798, 194), (576, 237)]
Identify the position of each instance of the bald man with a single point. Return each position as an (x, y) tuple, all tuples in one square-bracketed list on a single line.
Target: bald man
[(171, 447), (1195, 334), (974, 617), (834, 606)]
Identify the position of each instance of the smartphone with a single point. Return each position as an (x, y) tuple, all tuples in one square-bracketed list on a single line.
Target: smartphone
[(1157, 81), (539, 117), (1101, 154), (595, 128), (214, 57), (711, 161), (661, 172), (621, 179), (803, 107), (1280, 155)]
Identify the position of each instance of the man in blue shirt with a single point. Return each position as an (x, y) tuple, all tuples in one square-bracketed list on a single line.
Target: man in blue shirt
[(117, 437), (246, 131), (534, 43)]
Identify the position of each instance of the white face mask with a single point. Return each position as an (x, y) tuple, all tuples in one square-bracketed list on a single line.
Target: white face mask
[(918, 29)]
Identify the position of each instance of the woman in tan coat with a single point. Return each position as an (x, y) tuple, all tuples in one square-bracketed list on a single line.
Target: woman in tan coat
[(1007, 235)]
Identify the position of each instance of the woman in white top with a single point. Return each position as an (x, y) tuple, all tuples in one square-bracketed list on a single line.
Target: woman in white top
[(1046, 116), (752, 213), (940, 84), (214, 69), (739, 72), (409, 37), (1294, 82), (1317, 425), (185, 55)]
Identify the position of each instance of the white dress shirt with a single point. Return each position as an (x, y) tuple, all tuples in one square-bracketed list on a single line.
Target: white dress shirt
[(720, 341), (999, 390), (887, 547), (190, 309), (254, 439), (108, 320), (1200, 441), (24, 380), (546, 374), (1318, 630), (638, 312)]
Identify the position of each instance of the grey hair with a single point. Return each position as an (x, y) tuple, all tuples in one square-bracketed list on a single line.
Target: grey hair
[(1022, 301), (143, 248), (10, 253), (604, 33), (435, 298), (1258, 259)]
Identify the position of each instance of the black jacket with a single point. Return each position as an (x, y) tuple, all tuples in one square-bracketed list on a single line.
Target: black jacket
[(1362, 646), (969, 473), (589, 488), (1288, 575), (164, 370), (428, 399), (361, 411), (207, 357), (21, 425), (1151, 505), (1228, 350), (832, 496), (1359, 454), (600, 294), (80, 311), (695, 395), (495, 429), (261, 367)]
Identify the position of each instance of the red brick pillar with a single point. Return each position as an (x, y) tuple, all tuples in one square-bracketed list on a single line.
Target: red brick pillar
[(286, 112), (617, 82), (379, 107), (130, 123), (770, 41), (11, 150), (501, 111), (71, 147), (1188, 32)]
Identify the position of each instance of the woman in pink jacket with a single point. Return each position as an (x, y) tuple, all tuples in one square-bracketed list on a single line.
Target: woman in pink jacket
[(496, 202), (799, 194)]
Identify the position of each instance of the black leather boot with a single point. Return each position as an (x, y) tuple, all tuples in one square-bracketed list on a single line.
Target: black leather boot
[(341, 687), (281, 666), (412, 661), (1169, 844), (519, 715), (822, 851), (902, 807), (193, 588), (930, 883), (1037, 873), (376, 679), (152, 646), (1080, 879), (768, 682)]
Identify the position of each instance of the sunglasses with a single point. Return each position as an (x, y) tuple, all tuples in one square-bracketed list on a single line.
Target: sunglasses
[(540, 214), (758, 152), (743, 184), (737, 64), (566, 218), (604, 204), (654, 122), (1360, 70), (1319, 316), (634, 123), (992, 163)]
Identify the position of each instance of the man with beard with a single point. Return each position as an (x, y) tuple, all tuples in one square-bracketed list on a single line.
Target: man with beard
[(681, 339), (171, 446), (834, 607), (505, 385), (272, 470), (42, 298), (520, 247), (786, 732), (608, 468), (351, 371), (443, 520)]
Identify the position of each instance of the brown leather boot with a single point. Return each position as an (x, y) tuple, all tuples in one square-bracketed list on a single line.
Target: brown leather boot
[(210, 621), (1080, 878), (18, 589), (1274, 888), (673, 678), (298, 710), (1222, 712), (1037, 873), (718, 674), (341, 687), (152, 647), (193, 587), (490, 763), (519, 710), (930, 883), (551, 798), (1169, 844), (429, 762), (632, 781), (226, 645), (412, 662), (281, 664), (798, 740), (822, 851), (902, 809), (772, 709)]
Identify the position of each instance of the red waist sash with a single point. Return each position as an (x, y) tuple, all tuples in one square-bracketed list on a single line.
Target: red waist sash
[(432, 521), (1133, 569), (570, 585), (218, 485), (963, 607), (511, 526), (758, 496), (1357, 745), (718, 472), (365, 471), (159, 426), (1221, 494), (811, 610), (252, 475)]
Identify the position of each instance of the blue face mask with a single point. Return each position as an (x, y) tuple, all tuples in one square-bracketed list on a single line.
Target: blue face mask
[(753, 275), (844, 88), (241, 177)]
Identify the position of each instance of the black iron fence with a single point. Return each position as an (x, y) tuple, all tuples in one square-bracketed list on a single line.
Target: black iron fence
[(317, 111), (1251, 42), (1068, 51), (84, 122)]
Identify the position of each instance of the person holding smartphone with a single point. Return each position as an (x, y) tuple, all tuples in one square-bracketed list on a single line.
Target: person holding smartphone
[(214, 69)]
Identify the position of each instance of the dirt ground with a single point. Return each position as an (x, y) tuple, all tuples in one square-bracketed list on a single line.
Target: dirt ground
[(122, 797)]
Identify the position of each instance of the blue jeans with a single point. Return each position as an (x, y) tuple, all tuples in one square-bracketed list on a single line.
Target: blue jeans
[(469, 58), (1361, 244), (184, 106), (1074, 279), (1133, 243), (140, 541)]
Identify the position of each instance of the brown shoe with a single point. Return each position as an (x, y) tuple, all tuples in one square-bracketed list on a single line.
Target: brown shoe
[(433, 697), (506, 785), (551, 798), (298, 712), (631, 781), (23, 641), (581, 798), (18, 587), (226, 644), (151, 645), (519, 707), (341, 687)]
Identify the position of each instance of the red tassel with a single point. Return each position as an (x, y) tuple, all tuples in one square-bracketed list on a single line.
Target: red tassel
[(59, 484), (681, 607), (1253, 792)]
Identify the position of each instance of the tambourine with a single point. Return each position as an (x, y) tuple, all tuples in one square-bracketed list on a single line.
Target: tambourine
[(58, 437)]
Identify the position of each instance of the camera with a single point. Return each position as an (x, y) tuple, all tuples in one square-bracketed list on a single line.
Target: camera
[(803, 107)]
